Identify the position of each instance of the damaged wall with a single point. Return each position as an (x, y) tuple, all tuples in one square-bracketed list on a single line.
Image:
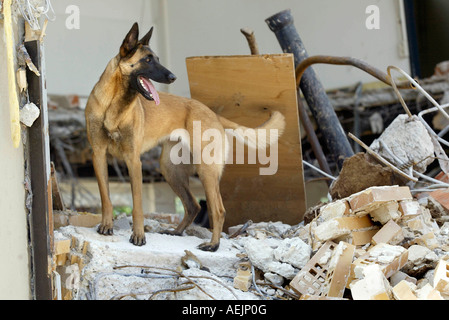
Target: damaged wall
[(14, 269)]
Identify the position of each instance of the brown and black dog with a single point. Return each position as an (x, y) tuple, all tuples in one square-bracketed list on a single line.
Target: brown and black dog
[(126, 116)]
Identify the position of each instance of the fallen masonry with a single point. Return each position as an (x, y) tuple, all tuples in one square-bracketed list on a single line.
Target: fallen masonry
[(378, 244)]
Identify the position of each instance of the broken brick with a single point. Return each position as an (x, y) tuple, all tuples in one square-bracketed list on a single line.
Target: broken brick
[(427, 240), (386, 212), (327, 273), (339, 269), (374, 197), (390, 233), (62, 246), (243, 279), (311, 279), (78, 219), (404, 290), (389, 258), (441, 277), (336, 209), (428, 293), (85, 219), (360, 238), (338, 227), (409, 208), (442, 197), (443, 177)]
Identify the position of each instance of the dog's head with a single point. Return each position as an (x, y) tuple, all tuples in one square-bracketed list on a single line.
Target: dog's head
[(141, 65)]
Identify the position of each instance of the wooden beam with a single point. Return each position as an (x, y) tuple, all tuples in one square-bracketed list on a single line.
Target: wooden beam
[(41, 214)]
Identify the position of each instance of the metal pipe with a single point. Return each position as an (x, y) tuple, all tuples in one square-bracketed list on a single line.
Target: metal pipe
[(340, 148), (362, 65), (312, 138)]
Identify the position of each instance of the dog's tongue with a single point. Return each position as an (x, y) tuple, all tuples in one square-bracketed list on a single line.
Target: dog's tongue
[(152, 89)]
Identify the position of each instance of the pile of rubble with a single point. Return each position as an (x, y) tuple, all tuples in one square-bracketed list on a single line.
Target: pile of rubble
[(380, 243)]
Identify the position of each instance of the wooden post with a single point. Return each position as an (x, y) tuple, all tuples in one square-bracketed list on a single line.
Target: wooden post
[(41, 214)]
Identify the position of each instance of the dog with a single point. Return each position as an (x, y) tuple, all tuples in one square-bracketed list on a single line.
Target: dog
[(126, 116)]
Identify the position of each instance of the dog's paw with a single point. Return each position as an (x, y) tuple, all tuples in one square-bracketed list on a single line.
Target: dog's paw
[(138, 239), (209, 246), (105, 229)]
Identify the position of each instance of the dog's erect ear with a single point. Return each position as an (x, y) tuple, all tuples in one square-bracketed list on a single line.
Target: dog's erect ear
[(146, 39), (130, 41)]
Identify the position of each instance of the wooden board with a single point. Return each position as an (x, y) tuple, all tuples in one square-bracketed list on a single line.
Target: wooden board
[(39, 149), (246, 89)]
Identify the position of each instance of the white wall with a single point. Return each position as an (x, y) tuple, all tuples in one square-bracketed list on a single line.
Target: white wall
[(183, 28), (14, 259), (76, 58), (212, 27)]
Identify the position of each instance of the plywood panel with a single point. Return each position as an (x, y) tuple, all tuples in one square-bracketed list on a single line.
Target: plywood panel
[(246, 89)]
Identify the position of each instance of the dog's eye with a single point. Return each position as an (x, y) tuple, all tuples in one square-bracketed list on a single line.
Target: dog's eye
[(148, 59)]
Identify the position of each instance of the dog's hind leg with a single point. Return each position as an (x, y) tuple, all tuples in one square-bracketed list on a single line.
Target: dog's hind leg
[(210, 177), (177, 177), (101, 171)]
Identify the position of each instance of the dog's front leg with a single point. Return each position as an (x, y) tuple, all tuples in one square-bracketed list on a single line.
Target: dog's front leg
[(101, 171), (135, 172)]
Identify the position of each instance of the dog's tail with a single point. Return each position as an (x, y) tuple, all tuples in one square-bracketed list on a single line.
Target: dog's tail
[(260, 137)]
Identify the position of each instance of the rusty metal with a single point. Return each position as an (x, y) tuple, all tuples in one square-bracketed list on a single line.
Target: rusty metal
[(382, 76), (312, 137), (320, 106)]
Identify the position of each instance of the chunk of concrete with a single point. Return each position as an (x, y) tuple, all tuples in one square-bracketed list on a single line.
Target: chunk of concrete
[(29, 113), (420, 260), (373, 286), (261, 255), (409, 141), (293, 251), (386, 212)]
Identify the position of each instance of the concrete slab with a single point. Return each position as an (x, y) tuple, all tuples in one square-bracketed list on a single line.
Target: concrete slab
[(100, 279)]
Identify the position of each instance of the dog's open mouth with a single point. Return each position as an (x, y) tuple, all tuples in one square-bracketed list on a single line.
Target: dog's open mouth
[(149, 89)]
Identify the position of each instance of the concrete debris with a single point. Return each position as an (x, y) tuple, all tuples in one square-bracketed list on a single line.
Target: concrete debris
[(29, 113), (243, 279), (441, 278), (293, 251), (373, 285), (379, 243), (350, 181), (406, 141), (261, 253)]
